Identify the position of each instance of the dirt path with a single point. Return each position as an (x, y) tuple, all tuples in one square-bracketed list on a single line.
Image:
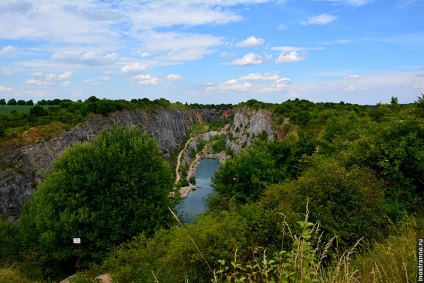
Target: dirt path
[(184, 191), (177, 168)]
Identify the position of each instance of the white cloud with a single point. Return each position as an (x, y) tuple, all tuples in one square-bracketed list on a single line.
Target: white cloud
[(278, 85), (256, 83), (38, 82), (41, 79), (248, 59), (178, 47), (5, 88), (322, 19), (350, 88), (226, 54), (136, 67), (91, 58), (352, 77), (145, 79), (66, 83), (293, 93), (65, 76), (295, 48), (282, 27), (154, 14), (51, 77), (98, 80), (340, 41), (289, 57), (260, 77), (7, 51), (37, 74), (351, 3), (173, 77), (251, 41), (7, 71), (233, 85)]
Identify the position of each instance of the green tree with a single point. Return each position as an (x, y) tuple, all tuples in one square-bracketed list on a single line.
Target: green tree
[(394, 149), (38, 111), (21, 102), (105, 193), (2, 101), (244, 178), (11, 101), (346, 202)]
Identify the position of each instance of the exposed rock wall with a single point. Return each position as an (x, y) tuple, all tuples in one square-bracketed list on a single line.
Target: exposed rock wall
[(23, 169), (247, 125)]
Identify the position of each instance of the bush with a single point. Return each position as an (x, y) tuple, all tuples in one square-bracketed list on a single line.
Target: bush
[(2, 130), (96, 193), (38, 111)]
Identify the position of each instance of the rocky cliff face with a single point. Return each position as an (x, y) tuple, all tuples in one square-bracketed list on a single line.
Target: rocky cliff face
[(248, 125), (240, 133), (23, 169)]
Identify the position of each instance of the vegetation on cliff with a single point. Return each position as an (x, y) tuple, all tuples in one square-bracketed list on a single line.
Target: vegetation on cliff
[(358, 169), (17, 118)]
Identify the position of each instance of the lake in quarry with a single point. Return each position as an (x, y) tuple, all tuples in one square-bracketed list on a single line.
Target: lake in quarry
[(194, 203)]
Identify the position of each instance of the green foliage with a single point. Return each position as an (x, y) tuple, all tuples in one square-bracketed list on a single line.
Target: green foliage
[(2, 129), (9, 250), (10, 274), (244, 178), (38, 111), (394, 149), (219, 143), (301, 263), (15, 117), (7, 109), (171, 256), (201, 145), (347, 202), (104, 193), (360, 167), (392, 260), (11, 101), (217, 125)]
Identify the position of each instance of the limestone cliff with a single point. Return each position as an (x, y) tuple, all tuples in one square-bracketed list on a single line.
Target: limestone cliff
[(24, 168), (247, 125), (240, 133)]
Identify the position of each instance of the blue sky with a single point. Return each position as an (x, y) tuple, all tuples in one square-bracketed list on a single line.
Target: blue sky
[(212, 52)]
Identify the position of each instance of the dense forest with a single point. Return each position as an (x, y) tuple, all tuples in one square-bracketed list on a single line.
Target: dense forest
[(336, 196)]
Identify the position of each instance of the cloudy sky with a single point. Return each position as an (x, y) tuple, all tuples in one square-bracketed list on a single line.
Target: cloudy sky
[(214, 51)]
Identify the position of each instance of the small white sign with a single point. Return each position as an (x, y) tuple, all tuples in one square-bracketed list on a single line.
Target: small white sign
[(77, 240)]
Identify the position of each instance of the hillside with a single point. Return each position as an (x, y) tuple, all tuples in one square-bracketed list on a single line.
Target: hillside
[(356, 171)]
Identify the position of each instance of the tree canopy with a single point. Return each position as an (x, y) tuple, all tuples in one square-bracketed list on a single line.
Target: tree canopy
[(103, 192)]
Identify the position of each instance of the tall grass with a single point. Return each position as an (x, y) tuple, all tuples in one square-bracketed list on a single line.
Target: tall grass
[(307, 260), (9, 274), (393, 260)]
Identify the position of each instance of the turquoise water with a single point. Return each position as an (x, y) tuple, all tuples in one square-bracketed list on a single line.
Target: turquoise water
[(194, 203)]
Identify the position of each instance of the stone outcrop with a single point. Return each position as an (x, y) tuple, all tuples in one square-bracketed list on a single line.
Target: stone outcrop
[(246, 126), (23, 169), (240, 134)]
